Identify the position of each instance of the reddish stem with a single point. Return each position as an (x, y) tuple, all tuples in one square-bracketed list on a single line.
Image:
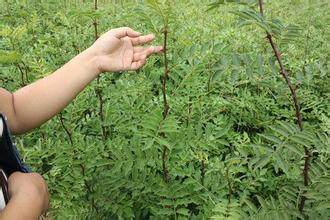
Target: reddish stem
[(96, 35), (165, 76), (166, 106), (284, 73), (98, 90), (65, 128), (203, 171)]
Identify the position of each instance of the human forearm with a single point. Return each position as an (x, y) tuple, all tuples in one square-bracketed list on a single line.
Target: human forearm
[(116, 50), (41, 100)]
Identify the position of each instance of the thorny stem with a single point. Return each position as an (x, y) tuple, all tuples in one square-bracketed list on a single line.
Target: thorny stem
[(189, 111), (202, 171), (88, 188), (95, 22), (166, 106), (65, 128), (165, 76), (22, 74), (26, 70), (230, 190), (284, 73), (76, 47), (166, 174), (98, 90)]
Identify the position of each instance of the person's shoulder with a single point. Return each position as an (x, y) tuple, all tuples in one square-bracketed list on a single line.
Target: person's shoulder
[(3, 92), (6, 101), (5, 97)]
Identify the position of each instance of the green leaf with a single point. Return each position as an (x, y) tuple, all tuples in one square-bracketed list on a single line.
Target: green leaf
[(10, 57), (262, 161), (149, 144), (281, 162), (271, 138)]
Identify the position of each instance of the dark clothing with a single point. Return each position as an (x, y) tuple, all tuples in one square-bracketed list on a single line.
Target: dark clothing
[(9, 157)]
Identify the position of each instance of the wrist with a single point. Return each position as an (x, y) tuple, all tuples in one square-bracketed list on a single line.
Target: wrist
[(91, 61)]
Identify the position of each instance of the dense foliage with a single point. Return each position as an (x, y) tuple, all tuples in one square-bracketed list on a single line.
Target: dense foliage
[(228, 148)]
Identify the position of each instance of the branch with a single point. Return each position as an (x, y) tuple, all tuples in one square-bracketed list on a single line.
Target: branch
[(166, 106), (65, 128), (98, 90), (166, 174), (165, 76), (22, 74), (203, 171), (96, 35), (284, 73), (230, 190), (89, 189)]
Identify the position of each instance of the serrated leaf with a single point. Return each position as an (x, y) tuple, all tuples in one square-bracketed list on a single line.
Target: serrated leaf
[(9, 57), (262, 161), (271, 138)]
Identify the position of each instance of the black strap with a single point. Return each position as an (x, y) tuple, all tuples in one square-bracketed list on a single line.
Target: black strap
[(9, 157), (4, 185)]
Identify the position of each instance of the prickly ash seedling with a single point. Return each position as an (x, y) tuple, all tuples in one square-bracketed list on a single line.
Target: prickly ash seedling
[(98, 89), (166, 106), (69, 134), (96, 35), (284, 73)]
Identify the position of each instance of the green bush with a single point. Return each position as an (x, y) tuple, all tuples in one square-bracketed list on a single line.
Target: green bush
[(233, 149)]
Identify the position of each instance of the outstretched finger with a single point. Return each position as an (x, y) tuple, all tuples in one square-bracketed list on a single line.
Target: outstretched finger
[(137, 65), (143, 53), (124, 32), (142, 39), (138, 49), (153, 49), (139, 56)]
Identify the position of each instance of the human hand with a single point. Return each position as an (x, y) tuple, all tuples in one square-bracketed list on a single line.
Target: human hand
[(29, 189), (120, 49)]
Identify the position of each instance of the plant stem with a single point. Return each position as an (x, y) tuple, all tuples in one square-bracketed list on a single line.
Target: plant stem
[(99, 95), (88, 189), (230, 190), (98, 90), (165, 76), (299, 122), (22, 74), (283, 72), (65, 128), (166, 106), (202, 171), (166, 174), (95, 22), (26, 70)]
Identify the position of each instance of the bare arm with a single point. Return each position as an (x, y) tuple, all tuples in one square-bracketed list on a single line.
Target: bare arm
[(116, 50), (34, 104)]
